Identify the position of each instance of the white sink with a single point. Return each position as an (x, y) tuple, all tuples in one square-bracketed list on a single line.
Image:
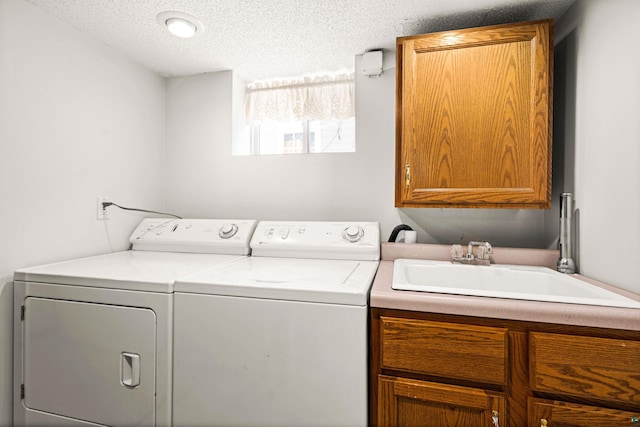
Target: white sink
[(502, 281)]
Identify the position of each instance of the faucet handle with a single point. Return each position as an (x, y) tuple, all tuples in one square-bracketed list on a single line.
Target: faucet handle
[(456, 252), (480, 244), (481, 252), (484, 250), (489, 248)]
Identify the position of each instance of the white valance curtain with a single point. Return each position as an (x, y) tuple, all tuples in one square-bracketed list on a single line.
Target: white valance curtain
[(308, 98)]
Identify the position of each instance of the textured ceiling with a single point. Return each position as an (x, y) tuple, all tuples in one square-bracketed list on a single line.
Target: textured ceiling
[(263, 39)]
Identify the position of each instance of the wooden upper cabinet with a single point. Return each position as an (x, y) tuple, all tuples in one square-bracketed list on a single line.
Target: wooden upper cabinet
[(473, 117)]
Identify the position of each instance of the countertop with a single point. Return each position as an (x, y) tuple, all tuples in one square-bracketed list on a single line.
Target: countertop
[(383, 296)]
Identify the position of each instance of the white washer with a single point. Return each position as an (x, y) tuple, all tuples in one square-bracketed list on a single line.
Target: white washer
[(279, 338), (93, 336)]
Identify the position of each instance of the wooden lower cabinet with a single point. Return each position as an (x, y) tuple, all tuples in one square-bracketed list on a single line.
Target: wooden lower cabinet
[(466, 352), (404, 402), (440, 370), (585, 367), (548, 413)]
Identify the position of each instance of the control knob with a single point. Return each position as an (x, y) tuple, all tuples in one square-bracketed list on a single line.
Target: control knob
[(228, 230), (353, 234)]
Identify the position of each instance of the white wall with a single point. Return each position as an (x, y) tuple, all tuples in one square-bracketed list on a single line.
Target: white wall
[(205, 180), (77, 121), (601, 91)]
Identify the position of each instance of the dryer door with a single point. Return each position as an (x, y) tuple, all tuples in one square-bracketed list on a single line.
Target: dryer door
[(90, 362)]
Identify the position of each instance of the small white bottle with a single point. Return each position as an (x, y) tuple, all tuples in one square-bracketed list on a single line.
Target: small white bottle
[(410, 236)]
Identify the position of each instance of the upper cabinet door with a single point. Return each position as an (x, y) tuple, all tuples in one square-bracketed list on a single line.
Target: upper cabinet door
[(473, 117)]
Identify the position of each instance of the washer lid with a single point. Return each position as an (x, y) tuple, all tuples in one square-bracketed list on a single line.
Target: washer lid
[(129, 270), (311, 280)]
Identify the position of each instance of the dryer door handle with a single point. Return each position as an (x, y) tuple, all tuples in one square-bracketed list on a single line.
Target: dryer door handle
[(130, 369)]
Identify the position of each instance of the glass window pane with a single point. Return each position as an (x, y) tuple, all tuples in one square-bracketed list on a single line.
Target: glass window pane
[(332, 136), (281, 138), (318, 136)]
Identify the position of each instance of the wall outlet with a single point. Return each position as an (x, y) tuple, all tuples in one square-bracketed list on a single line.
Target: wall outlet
[(101, 210)]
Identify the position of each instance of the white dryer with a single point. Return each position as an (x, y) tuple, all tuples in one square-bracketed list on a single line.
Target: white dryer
[(278, 338), (93, 336)]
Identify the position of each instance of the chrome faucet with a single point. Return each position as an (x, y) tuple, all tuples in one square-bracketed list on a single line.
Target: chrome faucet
[(565, 244), (484, 249)]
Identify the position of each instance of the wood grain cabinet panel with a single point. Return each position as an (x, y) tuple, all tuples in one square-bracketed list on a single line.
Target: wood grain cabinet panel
[(548, 413), (601, 368), (469, 352), (473, 117), (405, 402), (430, 369)]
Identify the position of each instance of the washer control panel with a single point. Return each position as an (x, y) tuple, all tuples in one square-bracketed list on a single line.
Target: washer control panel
[(317, 239), (215, 236)]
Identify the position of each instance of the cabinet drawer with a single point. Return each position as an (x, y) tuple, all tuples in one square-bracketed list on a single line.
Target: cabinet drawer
[(589, 367), (472, 353), (549, 413)]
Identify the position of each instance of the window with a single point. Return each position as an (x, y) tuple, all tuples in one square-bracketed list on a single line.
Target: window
[(308, 136), (309, 115)]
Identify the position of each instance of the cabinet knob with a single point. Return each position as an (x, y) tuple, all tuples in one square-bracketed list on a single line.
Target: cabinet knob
[(543, 422), (495, 417)]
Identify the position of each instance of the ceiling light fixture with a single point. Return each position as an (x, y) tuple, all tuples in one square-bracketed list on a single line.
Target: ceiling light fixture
[(180, 24), (181, 28)]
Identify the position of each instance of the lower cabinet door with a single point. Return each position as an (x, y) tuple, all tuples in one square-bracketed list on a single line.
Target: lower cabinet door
[(551, 413), (405, 402)]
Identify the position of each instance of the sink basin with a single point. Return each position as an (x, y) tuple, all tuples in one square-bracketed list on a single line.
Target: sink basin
[(502, 281)]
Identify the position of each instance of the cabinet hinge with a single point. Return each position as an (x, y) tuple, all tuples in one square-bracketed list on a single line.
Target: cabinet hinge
[(407, 175), (21, 391), (22, 310)]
